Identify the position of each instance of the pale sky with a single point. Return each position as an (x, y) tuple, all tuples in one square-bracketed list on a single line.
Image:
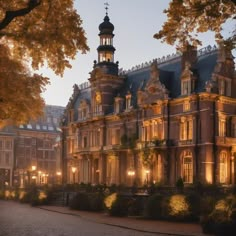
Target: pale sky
[(135, 22)]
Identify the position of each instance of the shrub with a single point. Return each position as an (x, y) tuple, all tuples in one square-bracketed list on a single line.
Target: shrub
[(80, 202), (108, 201), (136, 206), (222, 219), (153, 207), (194, 202), (96, 202), (207, 205), (120, 206), (180, 185), (179, 208)]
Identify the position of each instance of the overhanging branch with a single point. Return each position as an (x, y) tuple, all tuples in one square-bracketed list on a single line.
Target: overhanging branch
[(10, 15)]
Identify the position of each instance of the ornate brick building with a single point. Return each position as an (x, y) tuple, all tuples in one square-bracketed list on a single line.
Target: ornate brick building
[(170, 118)]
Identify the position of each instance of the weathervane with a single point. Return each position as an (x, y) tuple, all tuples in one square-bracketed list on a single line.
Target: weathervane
[(106, 4)]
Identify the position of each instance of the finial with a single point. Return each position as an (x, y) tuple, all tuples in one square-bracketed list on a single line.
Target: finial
[(106, 8)]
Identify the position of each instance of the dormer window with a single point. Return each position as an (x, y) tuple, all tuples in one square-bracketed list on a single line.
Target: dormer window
[(128, 101), (83, 110), (186, 87)]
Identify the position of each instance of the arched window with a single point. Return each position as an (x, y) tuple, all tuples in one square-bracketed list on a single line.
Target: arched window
[(223, 167), (187, 167)]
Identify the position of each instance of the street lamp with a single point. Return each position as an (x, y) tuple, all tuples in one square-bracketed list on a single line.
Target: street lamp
[(73, 172)]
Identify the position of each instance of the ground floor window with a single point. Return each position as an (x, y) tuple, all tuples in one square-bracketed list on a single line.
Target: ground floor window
[(223, 167), (187, 167)]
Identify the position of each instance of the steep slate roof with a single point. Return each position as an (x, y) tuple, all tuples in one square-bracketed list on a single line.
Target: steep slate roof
[(170, 73)]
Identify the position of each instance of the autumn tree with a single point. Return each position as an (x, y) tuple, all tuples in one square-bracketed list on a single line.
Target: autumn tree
[(34, 33), (187, 18)]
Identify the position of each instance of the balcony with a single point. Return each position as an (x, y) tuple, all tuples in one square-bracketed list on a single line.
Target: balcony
[(111, 147), (95, 149), (185, 142), (228, 141)]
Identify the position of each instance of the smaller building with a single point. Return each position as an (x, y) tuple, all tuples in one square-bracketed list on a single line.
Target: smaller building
[(31, 153), (7, 137)]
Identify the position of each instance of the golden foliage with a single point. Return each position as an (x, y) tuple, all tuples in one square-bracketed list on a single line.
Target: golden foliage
[(51, 32), (20, 92), (187, 18), (35, 32)]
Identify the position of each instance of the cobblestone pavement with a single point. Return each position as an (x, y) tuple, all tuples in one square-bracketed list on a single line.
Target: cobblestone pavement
[(23, 220)]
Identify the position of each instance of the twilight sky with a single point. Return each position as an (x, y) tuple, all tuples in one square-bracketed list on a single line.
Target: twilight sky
[(135, 22)]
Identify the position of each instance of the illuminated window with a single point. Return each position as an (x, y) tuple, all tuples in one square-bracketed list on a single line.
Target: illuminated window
[(187, 167), (186, 106), (113, 136), (157, 110), (222, 127), (158, 169), (157, 130), (223, 167), (186, 87), (128, 101), (186, 129)]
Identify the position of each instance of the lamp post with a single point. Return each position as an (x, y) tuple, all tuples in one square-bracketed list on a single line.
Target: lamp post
[(73, 169)]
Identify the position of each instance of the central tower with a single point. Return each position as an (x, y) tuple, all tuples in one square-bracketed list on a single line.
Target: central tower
[(106, 49), (105, 80)]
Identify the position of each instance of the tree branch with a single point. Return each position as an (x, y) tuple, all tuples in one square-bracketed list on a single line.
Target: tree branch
[(10, 15)]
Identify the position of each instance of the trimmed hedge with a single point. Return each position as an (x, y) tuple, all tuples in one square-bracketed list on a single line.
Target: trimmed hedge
[(87, 202)]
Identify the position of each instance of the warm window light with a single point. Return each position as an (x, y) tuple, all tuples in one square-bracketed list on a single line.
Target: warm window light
[(147, 171), (131, 173), (58, 173), (73, 169), (33, 168)]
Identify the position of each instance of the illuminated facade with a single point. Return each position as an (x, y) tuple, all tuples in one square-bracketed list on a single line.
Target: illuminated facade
[(31, 153), (173, 117)]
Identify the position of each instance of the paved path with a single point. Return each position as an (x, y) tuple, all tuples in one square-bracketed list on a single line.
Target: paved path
[(23, 220), (140, 225)]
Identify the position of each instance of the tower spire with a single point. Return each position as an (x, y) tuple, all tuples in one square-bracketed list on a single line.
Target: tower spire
[(106, 8)]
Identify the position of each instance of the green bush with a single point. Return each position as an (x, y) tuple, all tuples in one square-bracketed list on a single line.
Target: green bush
[(136, 206), (194, 202), (120, 206), (207, 205), (87, 202), (222, 220), (96, 202), (80, 202), (153, 207), (180, 185)]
